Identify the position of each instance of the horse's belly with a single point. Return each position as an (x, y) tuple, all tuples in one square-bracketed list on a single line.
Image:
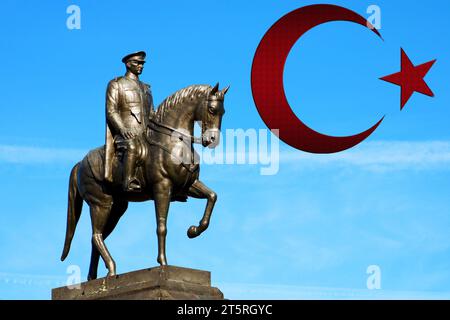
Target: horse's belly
[(138, 197)]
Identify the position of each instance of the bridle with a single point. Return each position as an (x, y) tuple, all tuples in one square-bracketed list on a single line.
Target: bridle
[(168, 130)]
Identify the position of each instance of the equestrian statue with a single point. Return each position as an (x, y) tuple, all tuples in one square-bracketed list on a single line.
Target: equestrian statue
[(148, 155)]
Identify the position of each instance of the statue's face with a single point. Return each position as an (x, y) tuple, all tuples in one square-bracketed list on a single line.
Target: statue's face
[(135, 66)]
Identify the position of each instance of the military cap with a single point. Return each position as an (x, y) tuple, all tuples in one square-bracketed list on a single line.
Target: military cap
[(140, 56)]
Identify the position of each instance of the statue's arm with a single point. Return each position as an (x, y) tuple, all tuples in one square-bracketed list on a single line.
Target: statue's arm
[(152, 107), (112, 107), (150, 99)]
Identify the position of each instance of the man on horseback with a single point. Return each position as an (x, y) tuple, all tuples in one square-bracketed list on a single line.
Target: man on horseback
[(161, 179), (129, 105)]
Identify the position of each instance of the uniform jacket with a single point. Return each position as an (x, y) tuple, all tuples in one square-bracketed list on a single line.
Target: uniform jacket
[(129, 104)]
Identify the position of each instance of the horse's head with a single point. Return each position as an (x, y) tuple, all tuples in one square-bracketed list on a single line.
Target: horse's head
[(211, 116)]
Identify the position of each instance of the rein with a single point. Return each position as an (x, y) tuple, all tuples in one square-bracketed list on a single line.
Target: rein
[(156, 126)]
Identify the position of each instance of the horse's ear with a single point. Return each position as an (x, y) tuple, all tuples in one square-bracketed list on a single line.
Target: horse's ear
[(215, 89), (225, 90)]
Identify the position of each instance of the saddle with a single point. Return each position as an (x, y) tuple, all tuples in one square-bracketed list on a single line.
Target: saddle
[(96, 160)]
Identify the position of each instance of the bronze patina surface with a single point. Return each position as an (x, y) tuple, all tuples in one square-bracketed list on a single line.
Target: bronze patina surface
[(148, 155)]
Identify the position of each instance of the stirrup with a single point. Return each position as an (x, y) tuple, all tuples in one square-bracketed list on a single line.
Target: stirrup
[(133, 185)]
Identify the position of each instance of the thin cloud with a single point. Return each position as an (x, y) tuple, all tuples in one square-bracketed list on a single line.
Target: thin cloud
[(381, 156), (378, 156), (31, 280), (267, 291), (38, 155)]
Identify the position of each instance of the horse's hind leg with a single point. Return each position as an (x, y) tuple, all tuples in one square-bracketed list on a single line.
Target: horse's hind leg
[(99, 217), (200, 191), (117, 210), (93, 265)]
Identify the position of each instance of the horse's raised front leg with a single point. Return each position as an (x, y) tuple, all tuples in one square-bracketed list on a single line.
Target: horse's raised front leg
[(200, 191), (162, 194)]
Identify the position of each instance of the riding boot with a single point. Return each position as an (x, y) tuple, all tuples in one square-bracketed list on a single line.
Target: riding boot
[(130, 182)]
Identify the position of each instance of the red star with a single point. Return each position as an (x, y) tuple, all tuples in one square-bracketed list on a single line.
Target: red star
[(410, 79)]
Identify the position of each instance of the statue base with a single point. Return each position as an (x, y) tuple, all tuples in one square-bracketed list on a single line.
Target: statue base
[(159, 283)]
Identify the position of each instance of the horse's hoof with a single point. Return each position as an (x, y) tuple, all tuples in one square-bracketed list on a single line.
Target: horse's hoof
[(192, 232), (111, 274), (162, 261), (93, 277)]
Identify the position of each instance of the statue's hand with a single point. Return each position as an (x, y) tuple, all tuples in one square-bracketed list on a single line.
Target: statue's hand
[(128, 133)]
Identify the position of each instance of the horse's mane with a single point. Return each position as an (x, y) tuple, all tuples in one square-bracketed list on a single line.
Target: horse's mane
[(180, 97)]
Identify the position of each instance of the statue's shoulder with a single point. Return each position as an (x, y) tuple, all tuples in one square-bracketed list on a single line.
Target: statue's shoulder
[(147, 86), (119, 79), (114, 82)]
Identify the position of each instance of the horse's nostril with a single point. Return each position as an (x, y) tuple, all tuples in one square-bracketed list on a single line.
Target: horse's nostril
[(213, 138)]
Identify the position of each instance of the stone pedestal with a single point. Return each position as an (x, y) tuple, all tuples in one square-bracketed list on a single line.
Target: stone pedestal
[(159, 283)]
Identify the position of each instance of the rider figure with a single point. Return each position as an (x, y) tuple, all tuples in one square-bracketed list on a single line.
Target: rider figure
[(129, 105)]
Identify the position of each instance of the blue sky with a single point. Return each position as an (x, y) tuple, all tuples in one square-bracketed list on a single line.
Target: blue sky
[(311, 230)]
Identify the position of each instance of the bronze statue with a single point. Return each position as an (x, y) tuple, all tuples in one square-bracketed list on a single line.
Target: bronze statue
[(146, 159)]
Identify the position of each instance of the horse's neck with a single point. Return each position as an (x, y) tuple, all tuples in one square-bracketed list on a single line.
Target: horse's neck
[(182, 117)]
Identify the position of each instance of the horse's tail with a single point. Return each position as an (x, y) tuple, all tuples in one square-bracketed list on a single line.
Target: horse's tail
[(74, 207)]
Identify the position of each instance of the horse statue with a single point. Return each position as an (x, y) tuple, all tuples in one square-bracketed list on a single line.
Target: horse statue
[(168, 168)]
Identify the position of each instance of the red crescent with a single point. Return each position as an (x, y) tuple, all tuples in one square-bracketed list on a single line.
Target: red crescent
[(267, 78)]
